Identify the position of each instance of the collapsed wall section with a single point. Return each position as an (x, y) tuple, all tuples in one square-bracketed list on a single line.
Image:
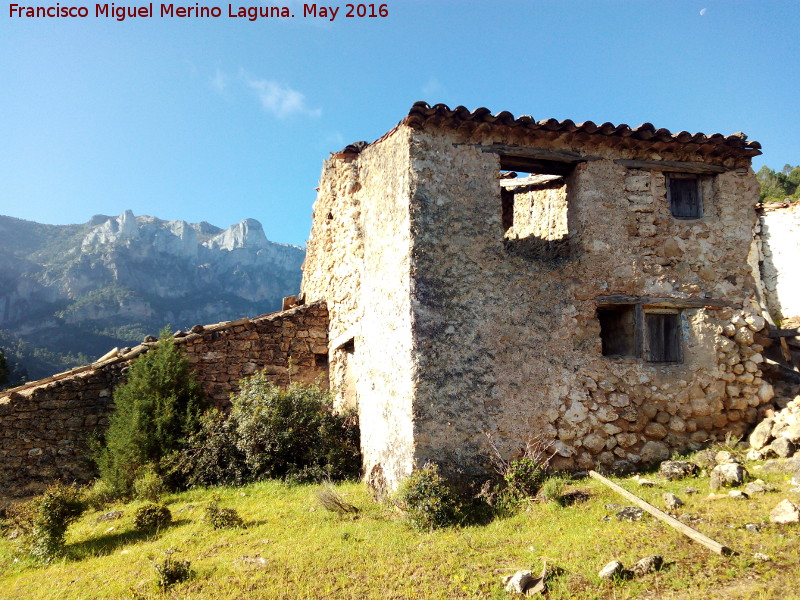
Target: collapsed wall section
[(45, 425), (358, 260)]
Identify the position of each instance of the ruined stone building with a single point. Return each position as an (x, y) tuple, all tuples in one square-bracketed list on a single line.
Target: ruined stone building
[(592, 285), (476, 280)]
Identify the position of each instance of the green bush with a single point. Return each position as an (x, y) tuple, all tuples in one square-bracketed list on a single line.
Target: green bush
[(172, 571), (427, 499), (151, 516), (44, 520), (524, 477), (156, 409), (99, 495), (221, 518), (209, 457), (552, 489), (289, 431), (148, 485)]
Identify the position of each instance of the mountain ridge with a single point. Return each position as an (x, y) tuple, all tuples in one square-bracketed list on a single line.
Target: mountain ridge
[(69, 293)]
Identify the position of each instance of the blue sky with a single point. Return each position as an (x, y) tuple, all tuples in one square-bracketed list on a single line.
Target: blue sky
[(224, 119)]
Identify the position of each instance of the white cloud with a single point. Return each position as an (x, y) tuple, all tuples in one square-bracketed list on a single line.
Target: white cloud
[(432, 88), (280, 99), (219, 82)]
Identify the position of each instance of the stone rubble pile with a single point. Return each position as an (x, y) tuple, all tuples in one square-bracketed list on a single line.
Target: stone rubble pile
[(777, 435)]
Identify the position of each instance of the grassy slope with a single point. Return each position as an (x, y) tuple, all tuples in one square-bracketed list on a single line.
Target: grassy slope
[(310, 553)]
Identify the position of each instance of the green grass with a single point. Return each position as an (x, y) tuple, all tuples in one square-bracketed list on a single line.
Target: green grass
[(293, 548)]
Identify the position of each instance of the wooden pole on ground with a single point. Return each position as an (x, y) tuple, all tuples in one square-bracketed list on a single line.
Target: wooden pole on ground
[(662, 516)]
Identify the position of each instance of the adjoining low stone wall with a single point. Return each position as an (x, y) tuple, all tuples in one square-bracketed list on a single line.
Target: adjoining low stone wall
[(780, 247), (45, 425)]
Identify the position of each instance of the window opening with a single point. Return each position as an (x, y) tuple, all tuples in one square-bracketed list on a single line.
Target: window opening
[(533, 205), (632, 331), (685, 197), (618, 330)]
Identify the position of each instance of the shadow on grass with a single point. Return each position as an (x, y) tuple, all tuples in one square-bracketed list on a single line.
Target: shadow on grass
[(108, 543)]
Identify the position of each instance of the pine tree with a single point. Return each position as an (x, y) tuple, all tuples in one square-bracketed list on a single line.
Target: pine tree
[(156, 409)]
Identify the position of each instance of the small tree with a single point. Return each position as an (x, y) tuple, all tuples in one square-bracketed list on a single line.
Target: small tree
[(156, 409), (4, 376)]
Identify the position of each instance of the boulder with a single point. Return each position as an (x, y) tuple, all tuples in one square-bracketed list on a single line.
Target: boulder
[(518, 582), (785, 512), (782, 447), (729, 474), (648, 564), (613, 570), (761, 434), (677, 469), (671, 501)]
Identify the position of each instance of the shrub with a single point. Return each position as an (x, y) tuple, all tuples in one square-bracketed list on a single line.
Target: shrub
[(156, 409), (172, 571), (151, 516), (331, 500), (285, 432), (524, 477), (428, 500), (552, 490), (209, 457), (45, 520), (149, 485), (99, 495), (221, 518)]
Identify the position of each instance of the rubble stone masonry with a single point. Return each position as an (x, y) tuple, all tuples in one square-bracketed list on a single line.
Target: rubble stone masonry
[(450, 330), (44, 425)]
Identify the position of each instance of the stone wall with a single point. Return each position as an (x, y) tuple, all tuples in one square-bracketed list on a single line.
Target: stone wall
[(506, 341), (358, 259), (512, 342), (45, 424), (780, 247)]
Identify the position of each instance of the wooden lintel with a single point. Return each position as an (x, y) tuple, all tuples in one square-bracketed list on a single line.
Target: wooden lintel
[(670, 165), (532, 180), (783, 333), (538, 153), (664, 517), (669, 302), (345, 337)]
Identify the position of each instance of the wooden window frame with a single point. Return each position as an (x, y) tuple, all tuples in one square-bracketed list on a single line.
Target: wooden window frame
[(676, 188), (669, 347), (641, 344)]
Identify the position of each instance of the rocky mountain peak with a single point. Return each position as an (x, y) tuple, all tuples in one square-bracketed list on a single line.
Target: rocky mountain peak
[(245, 234)]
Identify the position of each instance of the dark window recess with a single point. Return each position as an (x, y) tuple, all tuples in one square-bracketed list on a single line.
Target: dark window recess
[(534, 206), (618, 330), (321, 360), (663, 337), (685, 199), (349, 346)]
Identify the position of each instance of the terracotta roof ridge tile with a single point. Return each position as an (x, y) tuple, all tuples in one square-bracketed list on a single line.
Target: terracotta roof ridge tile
[(441, 115)]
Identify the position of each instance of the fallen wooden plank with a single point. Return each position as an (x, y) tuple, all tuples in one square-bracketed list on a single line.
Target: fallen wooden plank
[(662, 516)]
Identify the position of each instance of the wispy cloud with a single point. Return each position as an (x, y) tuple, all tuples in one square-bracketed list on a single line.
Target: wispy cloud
[(219, 82), (432, 88), (279, 98)]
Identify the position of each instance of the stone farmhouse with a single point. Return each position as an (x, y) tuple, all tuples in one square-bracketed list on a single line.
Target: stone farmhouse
[(491, 277), (477, 281)]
